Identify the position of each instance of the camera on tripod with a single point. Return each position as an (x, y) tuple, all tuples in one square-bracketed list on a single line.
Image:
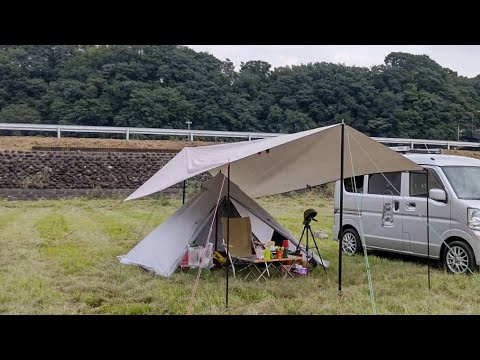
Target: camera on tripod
[(308, 216)]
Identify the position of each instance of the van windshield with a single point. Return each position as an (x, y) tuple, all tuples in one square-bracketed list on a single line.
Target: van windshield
[(464, 180)]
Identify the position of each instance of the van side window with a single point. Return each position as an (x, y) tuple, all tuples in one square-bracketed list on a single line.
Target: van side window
[(352, 183), (418, 183), (377, 184)]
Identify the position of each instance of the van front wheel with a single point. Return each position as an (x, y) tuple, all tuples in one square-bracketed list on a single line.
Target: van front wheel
[(458, 258), (351, 243)]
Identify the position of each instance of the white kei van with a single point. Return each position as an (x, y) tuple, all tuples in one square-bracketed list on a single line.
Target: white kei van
[(390, 210)]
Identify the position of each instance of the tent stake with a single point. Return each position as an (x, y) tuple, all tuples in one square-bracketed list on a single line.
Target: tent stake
[(228, 232), (428, 231), (340, 228)]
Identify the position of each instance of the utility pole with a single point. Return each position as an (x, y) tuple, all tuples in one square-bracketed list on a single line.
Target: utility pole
[(188, 124), (473, 116), (475, 123)]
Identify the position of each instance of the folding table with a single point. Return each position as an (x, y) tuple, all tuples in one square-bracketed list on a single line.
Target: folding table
[(276, 264)]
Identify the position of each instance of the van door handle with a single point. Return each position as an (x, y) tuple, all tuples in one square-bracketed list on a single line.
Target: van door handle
[(410, 206), (396, 205)]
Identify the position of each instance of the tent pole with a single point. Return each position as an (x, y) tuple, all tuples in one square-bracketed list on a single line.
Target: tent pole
[(228, 232), (340, 228), (184, 184), (428, 231), (216, 230)]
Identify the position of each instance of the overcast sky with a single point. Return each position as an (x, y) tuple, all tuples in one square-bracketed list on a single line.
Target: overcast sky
[(464, 59)]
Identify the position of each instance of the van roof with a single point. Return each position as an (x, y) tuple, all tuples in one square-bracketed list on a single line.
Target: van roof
[(442, 160)]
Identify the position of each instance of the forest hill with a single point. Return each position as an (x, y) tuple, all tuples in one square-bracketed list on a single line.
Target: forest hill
[(164, 86)]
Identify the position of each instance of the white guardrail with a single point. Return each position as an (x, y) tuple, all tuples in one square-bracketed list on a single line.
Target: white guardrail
[(205, 133), (130, 130)]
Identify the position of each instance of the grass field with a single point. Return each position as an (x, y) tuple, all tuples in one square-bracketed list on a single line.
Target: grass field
[(59, 257)]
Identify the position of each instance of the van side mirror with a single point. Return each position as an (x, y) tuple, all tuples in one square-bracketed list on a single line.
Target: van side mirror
[(438, 195)]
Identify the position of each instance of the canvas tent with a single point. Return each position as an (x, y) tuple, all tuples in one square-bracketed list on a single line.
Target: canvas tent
[(162, 250)]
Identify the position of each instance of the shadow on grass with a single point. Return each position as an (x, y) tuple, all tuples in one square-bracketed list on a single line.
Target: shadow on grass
[(434, 263)]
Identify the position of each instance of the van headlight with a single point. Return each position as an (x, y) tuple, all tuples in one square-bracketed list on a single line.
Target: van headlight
[(473, 218)]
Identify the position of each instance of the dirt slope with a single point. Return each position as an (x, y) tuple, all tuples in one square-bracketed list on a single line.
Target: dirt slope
[(25, 143)]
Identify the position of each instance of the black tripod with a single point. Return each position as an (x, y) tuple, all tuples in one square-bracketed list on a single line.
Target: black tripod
[(307, 229)]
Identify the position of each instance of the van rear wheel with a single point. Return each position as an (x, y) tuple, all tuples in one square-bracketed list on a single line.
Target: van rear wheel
[(351, 243), (458, 258)]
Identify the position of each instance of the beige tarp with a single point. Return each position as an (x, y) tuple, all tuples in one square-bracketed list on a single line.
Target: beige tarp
[(281, 164)]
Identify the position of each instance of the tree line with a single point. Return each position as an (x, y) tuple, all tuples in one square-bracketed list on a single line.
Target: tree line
[(165, 86)]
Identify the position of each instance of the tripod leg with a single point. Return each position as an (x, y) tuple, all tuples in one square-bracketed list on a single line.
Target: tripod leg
[(318, 251), (306, 247), (300, 241)]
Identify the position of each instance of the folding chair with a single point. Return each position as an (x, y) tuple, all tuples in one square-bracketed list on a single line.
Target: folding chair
[(240, 243)]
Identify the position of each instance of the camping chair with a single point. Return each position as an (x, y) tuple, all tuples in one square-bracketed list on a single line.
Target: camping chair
[(240, 242)]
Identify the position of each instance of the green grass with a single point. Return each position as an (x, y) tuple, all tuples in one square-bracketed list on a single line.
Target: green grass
[(59, 257)]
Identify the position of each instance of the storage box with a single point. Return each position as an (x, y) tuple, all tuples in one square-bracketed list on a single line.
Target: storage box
[(206, 256), (194, 256), (184, 261), (198, 256), (299, 271)]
